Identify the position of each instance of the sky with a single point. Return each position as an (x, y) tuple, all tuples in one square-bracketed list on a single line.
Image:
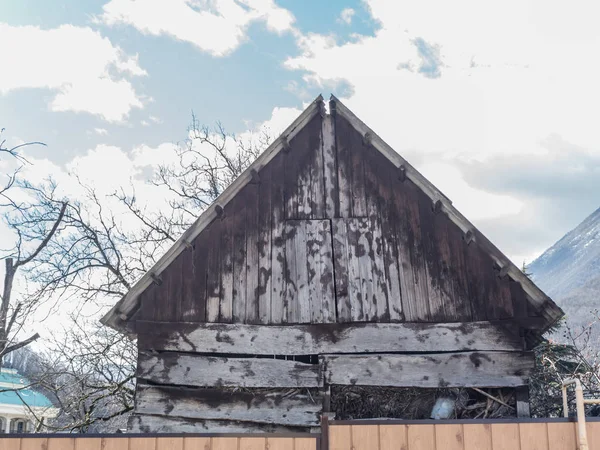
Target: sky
[(497, 103)]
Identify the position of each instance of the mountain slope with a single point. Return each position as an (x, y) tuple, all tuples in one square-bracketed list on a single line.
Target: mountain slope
[(564, 270)]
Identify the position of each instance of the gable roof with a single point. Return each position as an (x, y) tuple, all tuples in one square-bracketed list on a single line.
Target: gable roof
[(118, 316)]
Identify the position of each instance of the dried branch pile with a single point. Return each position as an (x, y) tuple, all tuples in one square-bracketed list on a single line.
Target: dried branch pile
[(361, 402)]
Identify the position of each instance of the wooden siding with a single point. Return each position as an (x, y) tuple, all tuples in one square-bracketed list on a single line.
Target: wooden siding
[(331, 231), (325, 338)]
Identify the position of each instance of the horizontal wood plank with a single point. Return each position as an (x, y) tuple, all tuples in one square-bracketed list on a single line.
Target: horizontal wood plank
[(283, 408), (211, 371), (325, 338), (141, 423), (471, 369)]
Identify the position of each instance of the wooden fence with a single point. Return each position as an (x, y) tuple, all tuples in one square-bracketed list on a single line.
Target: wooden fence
[(551, 434), (123, 442), (555, 435)]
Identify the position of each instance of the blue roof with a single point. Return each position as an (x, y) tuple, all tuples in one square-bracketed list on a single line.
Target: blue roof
[(18, 396)]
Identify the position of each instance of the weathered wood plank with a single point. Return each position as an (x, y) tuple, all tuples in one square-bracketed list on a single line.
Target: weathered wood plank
[(213, 275), (197, 310), (329, 167), (324, 281), (344, 167), (340, 254), (139, 423), (187, 298), (227, 281), (264, 246), (317, 182), (314, 296), (210, 371), (278, 269), (301, 308), (291, 273), (298, 409), (433, 370), (251, 201), (325, 338), (239, 259)]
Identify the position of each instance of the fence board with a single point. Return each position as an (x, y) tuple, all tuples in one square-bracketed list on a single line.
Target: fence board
[(533, 436), (142, 443), (113, 444), (224, 443), (60, 444), (421, 437), (280, 444), (196, 443), (169, 443), (37, 444), (365, 437), (477, 437), (305, 444), (10, 444), (340, 437), (505, 436), (252, 443), (562, 436), (449, 437), (392, 437)]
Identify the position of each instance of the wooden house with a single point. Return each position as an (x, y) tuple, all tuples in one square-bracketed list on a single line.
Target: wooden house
[(330, 261)]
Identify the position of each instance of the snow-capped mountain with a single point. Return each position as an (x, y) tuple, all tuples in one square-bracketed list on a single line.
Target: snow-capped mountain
[(569, 271)]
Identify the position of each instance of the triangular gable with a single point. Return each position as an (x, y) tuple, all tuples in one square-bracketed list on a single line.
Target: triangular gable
[(538, 303)]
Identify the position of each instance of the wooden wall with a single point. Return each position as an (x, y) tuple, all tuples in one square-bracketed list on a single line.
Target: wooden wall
[(330, 231), (462, 436), (159, 443)]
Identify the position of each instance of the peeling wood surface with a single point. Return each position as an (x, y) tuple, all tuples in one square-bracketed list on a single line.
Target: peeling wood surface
[(325, 338), (211, 371), (140, 423), (283, 407), (474, 369)]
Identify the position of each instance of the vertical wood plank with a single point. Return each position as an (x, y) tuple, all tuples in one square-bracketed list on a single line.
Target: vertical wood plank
[(305, 444), (505, 436), (197, 312), (593, 434), (15, 444), (533, 436), (325, 280), (355, 249), (251, 200), (340, 437), (169, 443), (280, 443), (291, 273), (80, 443), (187, 290), (344, 168), (317, 186), (227, 281), (562, 436), (224, 443), (314, 244), (449, 437), (329, 167), (393, 437), (142, 443), (421, 437), (213, 274), (359, 198), (340, 262), (365, 437), (196, 443), (477, 436), (278, 242), (445, 269), (301, 311), (53, 444), (290, 181), (252, 443), (264, 245), (111, 443), (239, 259), (411, 261)]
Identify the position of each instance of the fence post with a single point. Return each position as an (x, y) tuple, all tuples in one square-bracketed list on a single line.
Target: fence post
[(325, 431)]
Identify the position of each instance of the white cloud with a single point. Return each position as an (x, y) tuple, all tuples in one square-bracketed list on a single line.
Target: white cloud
[(87, 72), (155, 119), (473, 82), (217, 27), (101, 131), (145, 123), (346, 16)]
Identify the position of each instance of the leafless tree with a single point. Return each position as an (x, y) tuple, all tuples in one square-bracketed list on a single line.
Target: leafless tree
[(33, 222)]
